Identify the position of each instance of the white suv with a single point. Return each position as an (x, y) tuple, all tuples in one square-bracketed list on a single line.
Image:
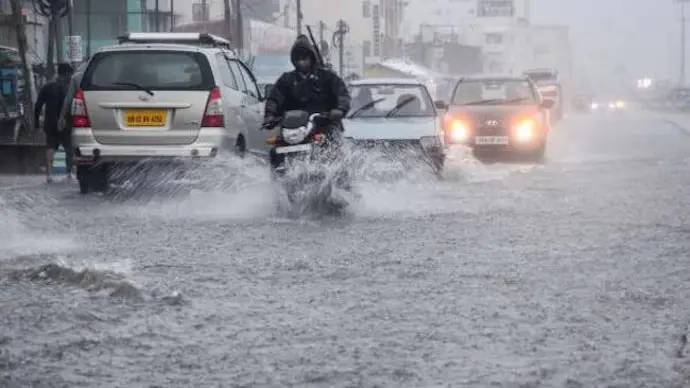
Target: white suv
[(162, 96)]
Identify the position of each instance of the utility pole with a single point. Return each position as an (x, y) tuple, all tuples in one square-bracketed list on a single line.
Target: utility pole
[(238, 27), (299, 16), (342, 29), (27, 74), (227, 18), (682, 42), (70, 25)]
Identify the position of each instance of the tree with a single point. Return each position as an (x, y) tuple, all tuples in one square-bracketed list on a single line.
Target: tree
[(22, 46)]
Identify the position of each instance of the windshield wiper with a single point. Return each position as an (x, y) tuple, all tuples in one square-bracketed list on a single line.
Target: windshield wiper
[(142, 88), (366, 106), (399, 106)]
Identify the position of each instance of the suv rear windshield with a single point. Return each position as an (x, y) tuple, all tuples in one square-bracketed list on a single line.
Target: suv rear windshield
[(154, 70)]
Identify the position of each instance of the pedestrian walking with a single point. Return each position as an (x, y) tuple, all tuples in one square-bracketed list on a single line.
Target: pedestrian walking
[(52, 96)]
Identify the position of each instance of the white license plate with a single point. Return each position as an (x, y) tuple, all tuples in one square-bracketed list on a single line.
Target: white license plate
[(491, 140), (295, 148)]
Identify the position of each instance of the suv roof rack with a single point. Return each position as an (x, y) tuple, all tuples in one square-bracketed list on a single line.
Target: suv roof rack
[(190, 38)]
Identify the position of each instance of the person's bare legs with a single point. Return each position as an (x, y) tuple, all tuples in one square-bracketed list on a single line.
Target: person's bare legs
[(50, 153)]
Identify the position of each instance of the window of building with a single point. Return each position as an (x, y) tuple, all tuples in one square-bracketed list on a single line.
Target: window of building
[(366, 48), (366, 8)]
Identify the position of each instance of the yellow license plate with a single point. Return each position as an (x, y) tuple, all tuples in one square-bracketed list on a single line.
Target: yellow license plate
[(145, 117)]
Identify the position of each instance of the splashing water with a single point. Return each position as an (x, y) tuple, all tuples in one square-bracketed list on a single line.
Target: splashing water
[(16, 239)]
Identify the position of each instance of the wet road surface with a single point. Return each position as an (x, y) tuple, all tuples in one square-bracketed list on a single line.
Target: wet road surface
[(571, 274)]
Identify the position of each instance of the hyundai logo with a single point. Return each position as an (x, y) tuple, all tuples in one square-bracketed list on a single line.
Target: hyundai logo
[(492, 123)]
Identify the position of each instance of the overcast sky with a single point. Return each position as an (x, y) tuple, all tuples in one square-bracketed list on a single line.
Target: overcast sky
[(642, 35)]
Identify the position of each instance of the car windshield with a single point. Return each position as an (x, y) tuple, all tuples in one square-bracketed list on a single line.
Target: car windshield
[(391, 100), (154, 70), (494, 92)]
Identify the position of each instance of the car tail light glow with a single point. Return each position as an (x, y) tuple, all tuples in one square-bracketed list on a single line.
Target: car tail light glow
[(213, 114), (80, 118)]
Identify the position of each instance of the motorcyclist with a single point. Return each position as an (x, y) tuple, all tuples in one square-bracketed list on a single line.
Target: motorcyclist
[(310, 87), (313, 88)]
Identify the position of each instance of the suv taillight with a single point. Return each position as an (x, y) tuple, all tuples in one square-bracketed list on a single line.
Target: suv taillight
[(80, 119), (213, 115)]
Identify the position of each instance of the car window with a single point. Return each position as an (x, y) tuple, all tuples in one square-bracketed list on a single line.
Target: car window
[(388, 96), (226, 73), (252, 88), (240, 79), (157, 70), (511, 92)]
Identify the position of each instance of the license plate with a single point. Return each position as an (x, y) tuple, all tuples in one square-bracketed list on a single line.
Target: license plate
[(491, 140), (145, 117), (295, 148)]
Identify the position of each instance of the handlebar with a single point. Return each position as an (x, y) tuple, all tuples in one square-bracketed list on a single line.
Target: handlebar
[(270, 124)]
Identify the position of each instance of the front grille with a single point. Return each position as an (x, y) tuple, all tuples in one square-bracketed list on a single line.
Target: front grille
[(491, 131)]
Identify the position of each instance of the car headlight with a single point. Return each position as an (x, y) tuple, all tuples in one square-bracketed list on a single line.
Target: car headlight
[(459, 131), (429, 142), (620, 104), (612, 105), (525, 130), (295, 135), (595, 106)]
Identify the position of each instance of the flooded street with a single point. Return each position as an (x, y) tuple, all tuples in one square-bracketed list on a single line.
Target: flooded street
[(570, 274)]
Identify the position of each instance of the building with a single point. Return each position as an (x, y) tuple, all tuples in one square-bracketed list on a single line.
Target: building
[(375, 28)]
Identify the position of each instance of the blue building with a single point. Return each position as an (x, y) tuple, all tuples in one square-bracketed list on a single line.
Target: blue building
[(99, 22)]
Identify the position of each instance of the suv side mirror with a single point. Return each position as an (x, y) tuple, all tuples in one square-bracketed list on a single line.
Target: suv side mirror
[(441, 105), (548, 104)]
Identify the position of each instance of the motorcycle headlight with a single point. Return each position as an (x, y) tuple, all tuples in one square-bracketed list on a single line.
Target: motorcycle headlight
[(620, 104), (525, 130), (295, 135), (595, 106)]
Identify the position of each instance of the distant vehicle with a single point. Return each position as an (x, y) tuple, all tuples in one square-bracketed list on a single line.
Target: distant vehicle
[(583, 103), (611, 104), (498, 115), (396, 116), (161, 97), (548, 84)]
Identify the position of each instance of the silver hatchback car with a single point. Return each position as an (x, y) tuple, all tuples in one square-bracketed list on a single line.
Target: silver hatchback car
[(161, 97)]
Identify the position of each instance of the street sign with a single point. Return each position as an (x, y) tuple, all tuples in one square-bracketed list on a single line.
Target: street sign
[(75, 48)]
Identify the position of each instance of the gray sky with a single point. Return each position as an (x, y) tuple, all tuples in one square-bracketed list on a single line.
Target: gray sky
[(642, 35)]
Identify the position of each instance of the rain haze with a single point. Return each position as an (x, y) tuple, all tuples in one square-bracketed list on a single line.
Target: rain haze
[(640, 36), (448, 193)]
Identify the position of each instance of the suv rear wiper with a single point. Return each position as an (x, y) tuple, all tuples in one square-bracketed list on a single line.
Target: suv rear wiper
[(142, 88)]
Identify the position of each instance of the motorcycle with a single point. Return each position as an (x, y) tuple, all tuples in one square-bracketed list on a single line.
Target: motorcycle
[(304, 163)]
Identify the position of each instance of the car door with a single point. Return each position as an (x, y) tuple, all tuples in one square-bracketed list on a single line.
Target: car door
[(232, 98), (253, 104)]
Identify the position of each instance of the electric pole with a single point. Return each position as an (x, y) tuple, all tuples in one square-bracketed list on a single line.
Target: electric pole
[(342, 29), (299, 16), (227, 18), (681, 77), (23, 47), (238, 26)]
